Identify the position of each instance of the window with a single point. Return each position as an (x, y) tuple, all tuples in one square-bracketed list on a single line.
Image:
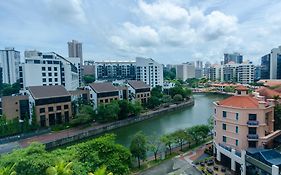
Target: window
[(215, 111), (50, 80), (44, 79), (224, 114), (253, 117), (55, 69), (49, 74), (50, 109), (43, 74), (56, 79), (65, 106), (237, 142), (56, 74), (237, 116), (58, 108), (106, 100), (42, 110), (224, 139), (224, 126), (49, 68), (43, 68), (252, 131), (236, 129)]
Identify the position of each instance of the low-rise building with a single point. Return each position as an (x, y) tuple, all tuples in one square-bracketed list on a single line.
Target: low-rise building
[(102, 93), (13, 107), (138, 90), (52, 104)]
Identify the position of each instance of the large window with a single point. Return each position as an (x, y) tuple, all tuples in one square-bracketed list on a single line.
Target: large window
[(253, 117), (224, 126), (237, 142), (236, 129), (252, 130), (224, 139), (224, 114)]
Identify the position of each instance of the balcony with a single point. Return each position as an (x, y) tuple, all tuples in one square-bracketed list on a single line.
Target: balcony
[(253, 123), (225, 147), (253, 137)]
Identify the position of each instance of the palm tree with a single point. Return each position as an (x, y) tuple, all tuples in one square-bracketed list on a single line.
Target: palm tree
[(101, 171), (8, 170), (62, 168)]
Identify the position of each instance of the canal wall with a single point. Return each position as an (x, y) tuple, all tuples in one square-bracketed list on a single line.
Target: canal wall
[(90, 132)]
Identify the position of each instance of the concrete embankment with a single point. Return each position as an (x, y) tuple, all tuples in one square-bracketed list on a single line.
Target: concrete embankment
[(93, 131)]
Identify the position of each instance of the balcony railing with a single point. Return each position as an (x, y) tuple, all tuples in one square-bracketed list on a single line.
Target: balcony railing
[(238, 153), (253, 136), (253, 123)]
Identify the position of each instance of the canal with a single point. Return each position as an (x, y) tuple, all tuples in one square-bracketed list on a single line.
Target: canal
[(194, 115)]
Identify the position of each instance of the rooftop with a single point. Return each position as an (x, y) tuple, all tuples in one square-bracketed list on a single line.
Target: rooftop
[(240, 102), (268, 93), (138, 84), (103, 87), (39, 92), (241, 88)]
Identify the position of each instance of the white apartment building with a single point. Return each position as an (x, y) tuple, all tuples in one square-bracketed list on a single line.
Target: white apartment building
[(246, 73), (48, 69), (77, 64), (10, 61), (214, 72), (149, 71), (185, 71)]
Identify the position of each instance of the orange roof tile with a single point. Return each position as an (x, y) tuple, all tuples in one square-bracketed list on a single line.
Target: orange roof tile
[(240, 102), (268, 93), (241, 88)]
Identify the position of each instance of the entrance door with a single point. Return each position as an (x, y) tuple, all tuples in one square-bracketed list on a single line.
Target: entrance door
[(52, 119), (225, 161), (237, 169)]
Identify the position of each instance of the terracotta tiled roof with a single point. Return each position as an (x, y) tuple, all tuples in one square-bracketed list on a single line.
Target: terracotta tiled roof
[(103, 87), (268, 93), (240, 102), (241, 88), (278, 89), (271, 83)]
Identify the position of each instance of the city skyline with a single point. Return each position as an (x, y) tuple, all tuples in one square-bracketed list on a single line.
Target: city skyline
[(163, 30)]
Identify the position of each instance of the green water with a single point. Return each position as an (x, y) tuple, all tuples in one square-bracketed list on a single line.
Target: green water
[(194, 115)]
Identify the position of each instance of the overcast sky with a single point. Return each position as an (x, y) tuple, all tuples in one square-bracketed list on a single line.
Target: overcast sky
[(170, 31)]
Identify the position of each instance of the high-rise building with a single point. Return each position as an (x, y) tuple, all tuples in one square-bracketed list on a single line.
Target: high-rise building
[(185, 71), (265, 67), (246, 73), (49, 69), (199, 64), (75, 50), (257, 73), (214, 73), (149, 71), (233, 57), (10, 61)]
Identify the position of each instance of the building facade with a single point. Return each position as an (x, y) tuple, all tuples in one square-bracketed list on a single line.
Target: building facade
[(138, 91), (149, 71), (233, 57), (15, 107), (10, 61), (75, 50), (51, 104), (241, 122), (48, 69), (185, 71)]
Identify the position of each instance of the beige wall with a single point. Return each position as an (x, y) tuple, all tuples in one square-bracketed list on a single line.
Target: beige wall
[(143, 97), (231, 123), (47, 112), (106, 100), (11, 106)]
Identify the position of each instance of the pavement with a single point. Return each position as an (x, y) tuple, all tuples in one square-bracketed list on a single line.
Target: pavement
[(179, 165)]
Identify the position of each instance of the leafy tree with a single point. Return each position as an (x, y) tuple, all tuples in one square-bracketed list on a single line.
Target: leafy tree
[(61, 168), (88, 79), (137, 108), (7, 89), (108, 112), (199, 132), (153, 102), (166, 99), (34, 124), (138, 146), (180, 137), (154, 144), (80, 119), (101, 171), (126, 108), (157, 92), (168, 141), (178, 98), (169, 74), (229, 89)]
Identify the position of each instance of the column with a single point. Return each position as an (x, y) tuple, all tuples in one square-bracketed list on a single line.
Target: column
[(233, 165), (275, 170), (218, 155), (243, 165)]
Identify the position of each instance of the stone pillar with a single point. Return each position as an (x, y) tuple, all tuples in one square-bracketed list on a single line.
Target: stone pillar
[(275, 170), (218, 155), (233, 165), (243, 165)]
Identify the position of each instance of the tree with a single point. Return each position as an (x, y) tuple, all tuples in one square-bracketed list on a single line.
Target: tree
[(126, 109), (157, 92), (168, 140), (154, 144), (180, 137), (138, 146), (229, 89), (198, 132), (178, 98), (88, 79), (61, 168), (100, 171), (153, 102), (9, 170), (166, 99), (34, 124), (137, 108), (108, 112)]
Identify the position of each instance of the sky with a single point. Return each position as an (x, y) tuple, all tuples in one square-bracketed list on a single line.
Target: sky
[(169, 31)]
